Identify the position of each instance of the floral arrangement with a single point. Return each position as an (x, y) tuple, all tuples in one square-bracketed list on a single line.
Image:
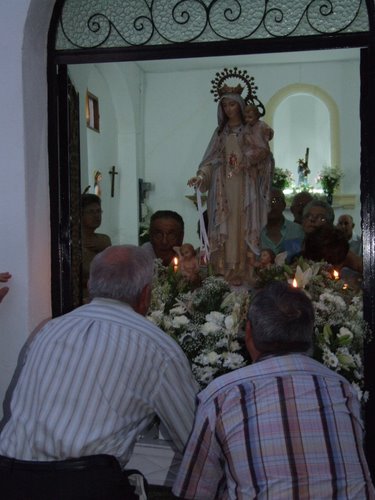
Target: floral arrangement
[(282, 179), (208, 321), (329, 179), (340, 330)]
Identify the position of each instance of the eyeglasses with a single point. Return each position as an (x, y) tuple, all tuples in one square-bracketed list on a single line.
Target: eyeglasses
[(315, 218), (160, 235)]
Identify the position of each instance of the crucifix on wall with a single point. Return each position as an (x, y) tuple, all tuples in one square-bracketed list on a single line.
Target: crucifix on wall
[(112, 173)]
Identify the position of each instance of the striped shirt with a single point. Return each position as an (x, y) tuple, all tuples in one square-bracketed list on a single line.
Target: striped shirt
[(93, 379), (285, 427)]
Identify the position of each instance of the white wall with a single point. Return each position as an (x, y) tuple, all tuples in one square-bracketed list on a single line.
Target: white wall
[(24, 199), (119, 142)]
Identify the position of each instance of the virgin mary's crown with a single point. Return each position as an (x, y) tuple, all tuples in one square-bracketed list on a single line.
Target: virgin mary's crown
[(229, 82)]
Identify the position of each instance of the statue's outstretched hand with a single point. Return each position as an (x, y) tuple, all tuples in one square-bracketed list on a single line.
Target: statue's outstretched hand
[(195, 181)]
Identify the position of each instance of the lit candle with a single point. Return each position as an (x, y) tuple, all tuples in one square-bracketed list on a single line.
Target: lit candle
[(345, 287), (175, 264), (336, 275), (295, 283)]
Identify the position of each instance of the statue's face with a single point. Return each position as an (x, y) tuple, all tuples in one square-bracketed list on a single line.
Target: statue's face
[(251, 116), (265, 257), (187, 251), (231, 108)]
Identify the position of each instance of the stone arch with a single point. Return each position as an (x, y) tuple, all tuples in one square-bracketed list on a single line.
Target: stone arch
[(324, 97)]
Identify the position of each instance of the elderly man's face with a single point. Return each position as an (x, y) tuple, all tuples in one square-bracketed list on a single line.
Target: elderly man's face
[(164, 235), (346, 224), (314, 218)]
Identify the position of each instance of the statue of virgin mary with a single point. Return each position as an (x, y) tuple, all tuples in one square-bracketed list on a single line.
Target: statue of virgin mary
[(238, 190)]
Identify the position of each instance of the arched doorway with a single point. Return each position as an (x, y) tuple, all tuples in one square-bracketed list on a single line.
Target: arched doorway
[(62, 210)]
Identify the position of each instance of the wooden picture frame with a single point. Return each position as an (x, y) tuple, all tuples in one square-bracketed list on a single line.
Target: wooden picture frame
[(92, 112)]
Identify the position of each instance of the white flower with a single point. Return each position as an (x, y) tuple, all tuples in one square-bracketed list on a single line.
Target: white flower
[(234, 346), (233, 360), (180, 309), (345, 358), (358, 391), (229, 323), (344, 336), (179, 321), (209, 328), (204, 375), (215, 317), (156, 317), (357, 360), (212, 357), (329, 359), (303, 277)]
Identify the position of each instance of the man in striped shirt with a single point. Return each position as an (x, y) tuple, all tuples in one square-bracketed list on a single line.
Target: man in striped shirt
[(92, 380), (285, 427)]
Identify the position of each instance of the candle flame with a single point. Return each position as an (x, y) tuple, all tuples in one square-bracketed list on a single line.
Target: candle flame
[(175, 264), (295, 283), (345, 287), (336, 275)]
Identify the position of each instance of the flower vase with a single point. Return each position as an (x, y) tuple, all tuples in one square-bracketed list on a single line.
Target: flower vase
[(329, 195)]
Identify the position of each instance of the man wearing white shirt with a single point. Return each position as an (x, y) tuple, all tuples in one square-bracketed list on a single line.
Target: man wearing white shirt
[(93, 379)]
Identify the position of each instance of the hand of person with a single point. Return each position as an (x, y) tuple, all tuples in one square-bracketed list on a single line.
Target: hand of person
[(195, 181), (4, 277), (3, 292)]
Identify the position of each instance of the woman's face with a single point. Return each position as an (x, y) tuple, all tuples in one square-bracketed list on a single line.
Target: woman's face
[(231, 108)]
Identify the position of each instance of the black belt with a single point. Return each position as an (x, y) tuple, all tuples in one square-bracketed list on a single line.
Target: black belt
[(82, 463)]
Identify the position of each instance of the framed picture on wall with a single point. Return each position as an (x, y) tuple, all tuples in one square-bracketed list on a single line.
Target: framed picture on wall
[(92, 111)]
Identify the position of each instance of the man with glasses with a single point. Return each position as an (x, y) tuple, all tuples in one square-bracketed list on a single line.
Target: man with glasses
[(166, 232), (317, 213), (280, 234)]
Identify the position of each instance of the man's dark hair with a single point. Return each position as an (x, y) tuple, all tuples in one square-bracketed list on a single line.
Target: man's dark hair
[(90, 199), (326, 243), (281, 319), (167, 214)]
